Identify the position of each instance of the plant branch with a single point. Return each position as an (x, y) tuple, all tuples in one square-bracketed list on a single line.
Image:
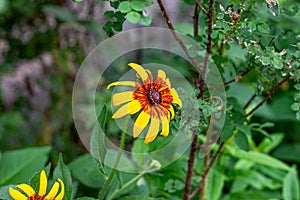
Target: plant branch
[(201, 183), (272, 90), (250, 101), (175, 35), (201, 7), (114, 169)]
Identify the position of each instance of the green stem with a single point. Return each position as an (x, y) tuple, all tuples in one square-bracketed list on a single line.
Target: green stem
[(114, 169), (125, 186)]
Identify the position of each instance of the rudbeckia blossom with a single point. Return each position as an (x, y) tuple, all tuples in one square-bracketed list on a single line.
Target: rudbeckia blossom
[(28, 192), (153, 99)]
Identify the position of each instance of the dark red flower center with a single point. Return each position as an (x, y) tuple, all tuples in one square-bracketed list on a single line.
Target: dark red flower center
[(153, 96)]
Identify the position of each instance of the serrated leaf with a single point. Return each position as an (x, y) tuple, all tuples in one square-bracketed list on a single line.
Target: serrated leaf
[(62, 171), (17, 166), (290, 189), (133, 17), (137, 5), (124, 7)]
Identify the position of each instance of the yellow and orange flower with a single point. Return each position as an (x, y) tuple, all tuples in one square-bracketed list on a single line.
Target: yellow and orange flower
[(31, 194), (153, 98)]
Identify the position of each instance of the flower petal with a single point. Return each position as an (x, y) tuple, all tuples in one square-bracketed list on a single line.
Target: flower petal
[(124, 83), (16, 195), (171, 109), (140, 123), (27, 189), (152, 131), (51, 195), (176, 98), (122, 97), (165, 126), (129, 108), (140, 70), (161, 74), (60, 196), (43, 184)]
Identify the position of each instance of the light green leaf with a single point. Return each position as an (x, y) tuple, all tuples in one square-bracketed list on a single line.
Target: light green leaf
[(137, 5), (133, 17), (124, 7), (17, 166), (295, 106), (146, 20), (62, 171), (297, 86), (215, 185), (258, 158), (291, 185)]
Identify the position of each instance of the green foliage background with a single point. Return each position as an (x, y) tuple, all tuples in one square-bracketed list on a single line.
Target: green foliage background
[(43, 43)]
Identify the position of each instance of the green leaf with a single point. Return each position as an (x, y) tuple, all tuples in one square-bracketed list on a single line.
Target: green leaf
[(298, 115), (4, 195), (84, 169), (190, 2), (227, 130), (98, 139), (133, 17), (118, 26), (215, 185), (148, 2), (62, 171), (259, 158), (295, 106), (77, 0), (85, 198), (137, 5), (146, 20), (263, 28), (60, 13), (265, 60), (138, 150), (290, 190), (17, 166), (241, 140), (297, 86), (271, 142), (138, 198), (124, 7), (109, 14)]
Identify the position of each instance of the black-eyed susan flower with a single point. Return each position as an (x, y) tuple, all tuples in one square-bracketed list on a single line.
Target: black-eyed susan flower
[(153, 98), (26, 192)]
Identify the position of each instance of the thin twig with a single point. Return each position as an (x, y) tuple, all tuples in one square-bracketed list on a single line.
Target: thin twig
[(176, 36), (193, 150), (201, 7), (199, 186), (235, 79), (268, 95), (250, 101)]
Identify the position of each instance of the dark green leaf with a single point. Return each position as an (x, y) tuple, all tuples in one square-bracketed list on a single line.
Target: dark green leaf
[(241, 140), (138, 198), (263, 28), (35, 180), (297, 86), (62, 171), (118, 26), (109, 14), (227, 130)]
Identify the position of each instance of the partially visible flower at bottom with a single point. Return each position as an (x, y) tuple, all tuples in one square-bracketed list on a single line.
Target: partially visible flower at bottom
[(31, 194), (153, 98)]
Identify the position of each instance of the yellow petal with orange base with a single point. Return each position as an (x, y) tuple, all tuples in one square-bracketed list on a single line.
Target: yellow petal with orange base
[(165, 126), (124, 83), (51, 195), (122, 97), (16, 195), (140, 123), (60, 196), (176, 98), (129, 108), (27, 189), (140, 70), (152, 131), (43, 184)]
